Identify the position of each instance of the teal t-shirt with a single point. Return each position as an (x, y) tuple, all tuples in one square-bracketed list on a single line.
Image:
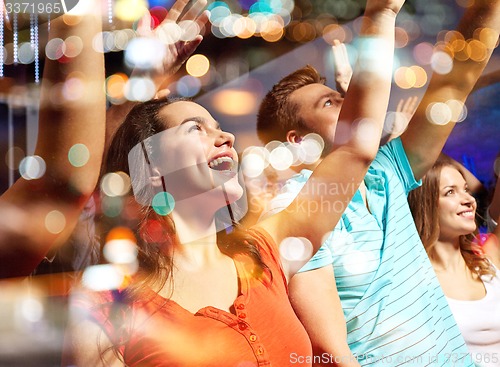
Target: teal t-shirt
[(395, 310)]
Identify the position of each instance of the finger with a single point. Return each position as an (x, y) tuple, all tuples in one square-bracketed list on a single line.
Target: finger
[(407, 105), (414, 104), (186, 49), (163, 93), (196, 27), (336, 53), (195, 10), (202, 20), (410, 105), (343, 50), (176, 10), (399, 108), (144, 25)]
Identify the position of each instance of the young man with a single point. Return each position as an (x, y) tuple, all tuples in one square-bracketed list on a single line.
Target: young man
[(385, 305)]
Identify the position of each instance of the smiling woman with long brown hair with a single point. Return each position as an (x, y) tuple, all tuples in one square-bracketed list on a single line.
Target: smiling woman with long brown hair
[(444, 211)]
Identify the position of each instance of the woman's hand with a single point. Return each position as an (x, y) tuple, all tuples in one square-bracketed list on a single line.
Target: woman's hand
[(180, 35)]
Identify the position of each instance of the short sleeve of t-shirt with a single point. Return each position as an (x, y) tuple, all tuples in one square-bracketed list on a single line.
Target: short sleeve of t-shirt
[(287, 194), (392, 156)]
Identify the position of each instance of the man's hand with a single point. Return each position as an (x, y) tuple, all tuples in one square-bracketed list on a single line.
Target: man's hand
[(343, 69)]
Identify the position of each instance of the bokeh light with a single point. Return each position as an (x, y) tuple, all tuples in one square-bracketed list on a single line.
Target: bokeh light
[(477, 50), (219, 10), (32, 309), (120, 251), (55, 222), (235, 102), (102, 277), (395, 123), (197, 65), (73, 88), (458, 110), (296, 249), (355, 262), (438, 113), (311, 148), (281, 158), (334, 32), (273, 31), (402, 38), (244, 27), (139, 89), (153, 231), (188, 86), (404, 77), (115, 87), (121, 39), (441, 62), (25, 53), (73, 46), (112, 206), (163, 203), (302, 31), (130, 10), (115, 184), (422, 53), (32, 167), (169, 33), (144, 53), (254, 161), (79, 155), (489, 37), (189, 30), (420, 76), (54, 49)]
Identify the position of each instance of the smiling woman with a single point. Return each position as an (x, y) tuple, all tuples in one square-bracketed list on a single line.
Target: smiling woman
[(177, 149), (444, 213)]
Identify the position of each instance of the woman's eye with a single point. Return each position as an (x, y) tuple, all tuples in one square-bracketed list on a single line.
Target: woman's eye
[(449, 192), (195, 127), (328, 103)]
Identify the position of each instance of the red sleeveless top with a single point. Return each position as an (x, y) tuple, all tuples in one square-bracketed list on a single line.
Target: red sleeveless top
[(263, 331)]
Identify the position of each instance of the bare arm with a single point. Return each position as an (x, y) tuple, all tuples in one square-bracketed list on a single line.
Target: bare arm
[(364, 108), (487, 79), (424, 140), (316, 302), (39, 214)]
